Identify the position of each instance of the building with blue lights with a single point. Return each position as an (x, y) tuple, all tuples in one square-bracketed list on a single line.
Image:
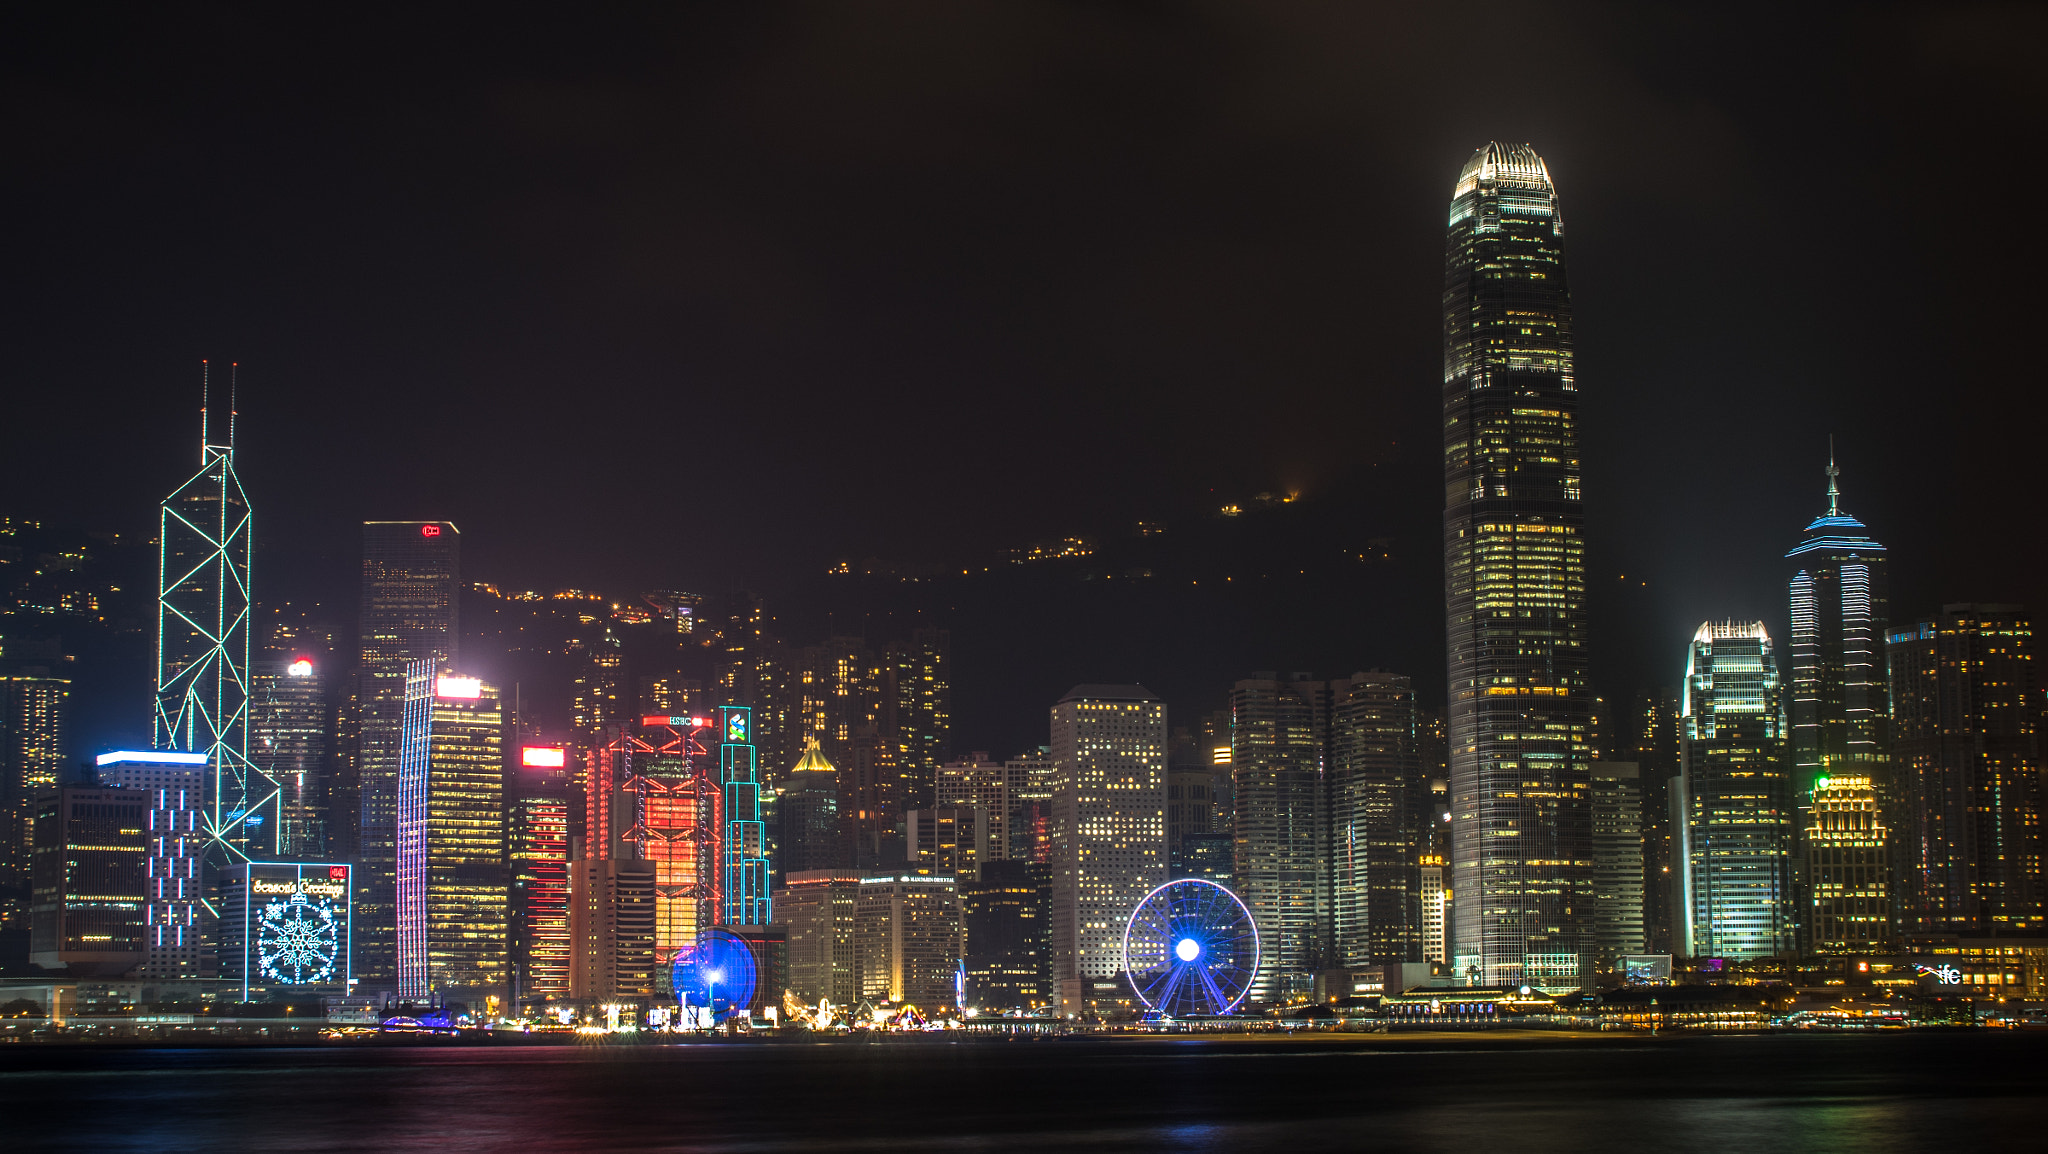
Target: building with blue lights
[(285, 928), (748, 899), (1733, 801), (173, 783), (453, 920)]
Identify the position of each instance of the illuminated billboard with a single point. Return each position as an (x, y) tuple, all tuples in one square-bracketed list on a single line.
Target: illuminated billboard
[(544, 756), (289, 924)]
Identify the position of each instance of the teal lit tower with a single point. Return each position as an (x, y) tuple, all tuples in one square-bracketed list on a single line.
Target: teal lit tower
[(1732, 805), (747, 900), (202, 647), (1515, 584), (1840, 700)]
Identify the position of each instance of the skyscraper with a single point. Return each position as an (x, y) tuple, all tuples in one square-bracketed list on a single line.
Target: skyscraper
[(1279, 740), (818, 907), (290, 725), (1733, 808), (917, 707), (907, 939), (1967, 763), (204, 541), (1003, 909), (1840, 711), (1617, 860), (172, 783), (1514, 580), (410, 612), (541, 802), (1108, 826), (1848, 847), (452, 910), (807, 813), (90, 869), (34, 705), (1379, 813)]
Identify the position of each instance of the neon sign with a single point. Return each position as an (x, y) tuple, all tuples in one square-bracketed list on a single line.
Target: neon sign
[(467, 688), (299, 668), (1946, 975), (430, 530)]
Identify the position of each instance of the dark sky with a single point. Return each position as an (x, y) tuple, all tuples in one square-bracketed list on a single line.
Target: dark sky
[(712, 295)]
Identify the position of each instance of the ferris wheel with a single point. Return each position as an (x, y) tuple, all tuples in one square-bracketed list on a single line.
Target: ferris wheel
[(717, 972), (1191, 948)]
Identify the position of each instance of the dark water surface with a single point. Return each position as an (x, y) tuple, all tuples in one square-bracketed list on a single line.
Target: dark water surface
[(1475, 1095)]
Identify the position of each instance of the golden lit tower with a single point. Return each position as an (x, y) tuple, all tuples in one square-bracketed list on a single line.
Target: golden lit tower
[(1514, 581)]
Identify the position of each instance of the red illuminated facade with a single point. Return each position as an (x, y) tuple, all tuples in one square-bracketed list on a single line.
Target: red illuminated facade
[(652, 795)]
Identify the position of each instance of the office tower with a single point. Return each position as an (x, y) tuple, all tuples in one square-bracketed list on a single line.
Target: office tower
[(290, 723), (1839, 706), (673, 695), (1433, 856), (1965, 728), (409, 612), (838, 692), (612, 929), (947, 839), (1848, 849), (90, 870), (1212, 733), (979, 782), (1191, 794), (1617, 860), (34, 706), (875, 796), (597, 689), (1108, 845), (652, 793), (1654, 735), (907, 939), (173, 911), (202, 648), (1030, 779), (1514, 580), (1211, 856), (807, 813), (817, 908), (1379, 802), (1279, 739), (543, 797), (917, 707), (759, 670), (1003, 910), (1733, 800), (748, 901), (284, 928), (453, 918)]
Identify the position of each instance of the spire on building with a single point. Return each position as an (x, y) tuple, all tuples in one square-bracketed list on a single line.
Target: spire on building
[(1834, 490), (814, 759)]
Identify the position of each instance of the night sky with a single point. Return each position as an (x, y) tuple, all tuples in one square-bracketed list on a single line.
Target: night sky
[(712, 299)]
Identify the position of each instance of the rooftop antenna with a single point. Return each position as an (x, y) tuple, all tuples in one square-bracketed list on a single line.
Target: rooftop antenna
[(205, 394), (235, 371), (1834, 490)]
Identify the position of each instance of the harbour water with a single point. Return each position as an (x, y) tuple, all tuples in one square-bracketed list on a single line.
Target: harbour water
[(1476, 1094)]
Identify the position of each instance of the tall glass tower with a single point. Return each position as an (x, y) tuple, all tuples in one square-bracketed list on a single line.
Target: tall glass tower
[(202, 648), (1514, 582), (1841, 711), (1732, 811)]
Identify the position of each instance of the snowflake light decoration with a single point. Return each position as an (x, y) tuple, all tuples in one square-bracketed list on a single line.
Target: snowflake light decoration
[(297, 941)]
